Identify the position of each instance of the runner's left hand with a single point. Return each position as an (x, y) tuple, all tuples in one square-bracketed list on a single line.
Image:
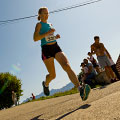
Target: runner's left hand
[(57, 36)]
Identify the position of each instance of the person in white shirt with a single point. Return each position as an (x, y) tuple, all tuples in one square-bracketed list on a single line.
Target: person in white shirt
[(94, 62)]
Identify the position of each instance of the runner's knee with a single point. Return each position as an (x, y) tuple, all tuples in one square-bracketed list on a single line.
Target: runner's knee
[(66, 67), (52, 75)]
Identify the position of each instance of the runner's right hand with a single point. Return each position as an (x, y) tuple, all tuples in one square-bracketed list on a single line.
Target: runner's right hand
[(52, 30)]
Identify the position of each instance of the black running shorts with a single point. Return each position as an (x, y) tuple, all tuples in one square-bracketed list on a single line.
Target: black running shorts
[(50, 51)]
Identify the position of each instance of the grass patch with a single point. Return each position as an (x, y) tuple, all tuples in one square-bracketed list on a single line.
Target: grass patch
[(69, 92)]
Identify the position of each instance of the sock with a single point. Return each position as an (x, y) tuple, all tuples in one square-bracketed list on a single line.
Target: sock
[(46, 85), (80, 88)]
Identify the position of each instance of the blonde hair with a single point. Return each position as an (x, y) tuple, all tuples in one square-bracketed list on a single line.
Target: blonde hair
[(40, 11)]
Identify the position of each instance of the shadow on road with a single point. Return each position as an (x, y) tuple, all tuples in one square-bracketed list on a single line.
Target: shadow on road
[(81, 107), (37, 118)]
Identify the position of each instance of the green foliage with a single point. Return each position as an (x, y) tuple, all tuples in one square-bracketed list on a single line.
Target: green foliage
[(69, 92), (9, 83)]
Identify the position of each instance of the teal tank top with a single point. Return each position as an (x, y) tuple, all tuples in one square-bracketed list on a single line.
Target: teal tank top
[(45, 27)]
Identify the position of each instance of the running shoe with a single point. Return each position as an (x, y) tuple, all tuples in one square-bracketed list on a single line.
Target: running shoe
[(86, 92), (45, 89)]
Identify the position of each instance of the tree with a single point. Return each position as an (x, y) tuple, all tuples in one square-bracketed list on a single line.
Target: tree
[(9, 83)]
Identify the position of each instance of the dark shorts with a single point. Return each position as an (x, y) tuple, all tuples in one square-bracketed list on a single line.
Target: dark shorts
[(95, 65), (103, 61), (89, 78), (49, 51)]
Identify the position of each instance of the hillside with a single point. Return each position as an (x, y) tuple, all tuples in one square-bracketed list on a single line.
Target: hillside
[(53, 91)]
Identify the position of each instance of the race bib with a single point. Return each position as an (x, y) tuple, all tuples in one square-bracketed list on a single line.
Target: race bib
[(50, 38)]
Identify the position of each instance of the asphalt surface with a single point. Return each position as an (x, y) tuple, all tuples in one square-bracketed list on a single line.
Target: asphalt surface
[(103, 104)]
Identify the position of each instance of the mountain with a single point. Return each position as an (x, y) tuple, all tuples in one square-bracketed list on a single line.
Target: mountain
[(53, 91)]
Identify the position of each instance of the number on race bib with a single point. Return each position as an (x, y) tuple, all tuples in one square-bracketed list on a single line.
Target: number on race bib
[(50, 38)]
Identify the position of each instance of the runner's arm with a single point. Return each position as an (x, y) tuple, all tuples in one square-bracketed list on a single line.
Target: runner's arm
[(92, 50), (88, 58), (106, 51), (37, 35), (57, 36)]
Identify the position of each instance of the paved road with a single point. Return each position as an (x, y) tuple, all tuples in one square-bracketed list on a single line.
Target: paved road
[(102, 104)]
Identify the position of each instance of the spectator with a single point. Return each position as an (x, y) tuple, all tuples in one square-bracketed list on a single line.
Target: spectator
[(14, 98), (94, 62), (33, 97), (84, 68), (85, 71), (90, 75), (113, 66), (99, 49)]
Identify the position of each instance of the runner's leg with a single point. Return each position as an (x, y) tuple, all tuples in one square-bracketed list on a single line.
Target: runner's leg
[(63, 61), (49, 63)]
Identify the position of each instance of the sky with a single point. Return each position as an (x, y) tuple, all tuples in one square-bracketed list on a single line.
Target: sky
[(21, 56)]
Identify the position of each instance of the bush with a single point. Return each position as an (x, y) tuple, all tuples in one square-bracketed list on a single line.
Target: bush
[(9, 83)]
